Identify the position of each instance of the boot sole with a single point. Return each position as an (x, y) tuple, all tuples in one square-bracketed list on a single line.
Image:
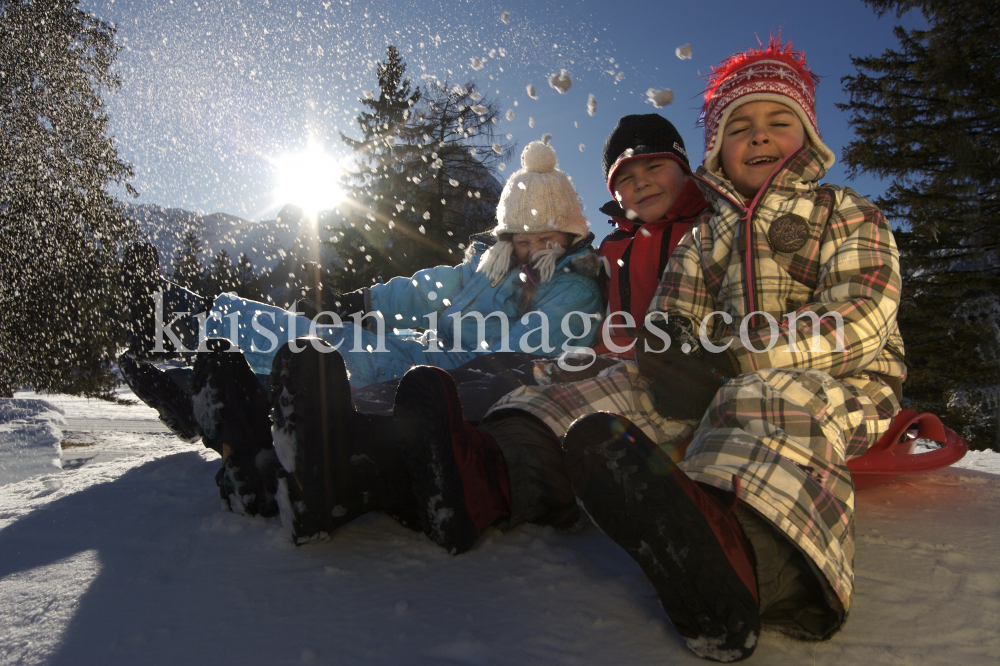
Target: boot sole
[(233, 412), (630, 494), (423, 396), (307, 490)]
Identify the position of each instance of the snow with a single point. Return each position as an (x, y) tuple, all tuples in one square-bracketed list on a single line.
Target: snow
[(29, 438), (659, 98), (133, 559), (561, 82)]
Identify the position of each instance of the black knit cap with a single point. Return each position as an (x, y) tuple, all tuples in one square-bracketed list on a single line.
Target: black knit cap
[(645, 135)]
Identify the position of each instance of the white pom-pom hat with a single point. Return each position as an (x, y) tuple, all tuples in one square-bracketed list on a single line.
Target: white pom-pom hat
[(539, 198), (536, 199)]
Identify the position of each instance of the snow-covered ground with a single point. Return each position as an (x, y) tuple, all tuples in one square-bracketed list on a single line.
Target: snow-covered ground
[(126, 556)]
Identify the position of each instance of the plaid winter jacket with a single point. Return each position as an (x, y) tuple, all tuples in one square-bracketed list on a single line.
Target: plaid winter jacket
[(797, 249), (799, 252)]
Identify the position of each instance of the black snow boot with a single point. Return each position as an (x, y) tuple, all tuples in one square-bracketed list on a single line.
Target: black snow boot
[(459, 474), (140, 279), (165, 392), (233, 411), (337, 464), (143, 286), (687, 540)]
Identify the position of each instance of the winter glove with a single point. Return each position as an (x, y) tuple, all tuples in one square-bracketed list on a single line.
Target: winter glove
[(344, 305), (327, 300), (685, 375), (353, 302)]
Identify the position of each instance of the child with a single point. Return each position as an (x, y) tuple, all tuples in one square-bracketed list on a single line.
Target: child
[(647, 171), (537, 259), (755, 523)]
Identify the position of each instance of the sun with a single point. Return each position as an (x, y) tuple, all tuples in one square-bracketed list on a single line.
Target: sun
[(308, 180)]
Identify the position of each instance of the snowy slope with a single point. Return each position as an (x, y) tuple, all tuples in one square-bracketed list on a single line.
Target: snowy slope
[(134, 561)]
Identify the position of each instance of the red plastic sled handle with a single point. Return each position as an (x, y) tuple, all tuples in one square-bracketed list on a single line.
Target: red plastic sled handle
[(893, 453)]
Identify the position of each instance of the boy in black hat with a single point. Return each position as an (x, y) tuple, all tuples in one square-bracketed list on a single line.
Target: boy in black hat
[(647, 171)]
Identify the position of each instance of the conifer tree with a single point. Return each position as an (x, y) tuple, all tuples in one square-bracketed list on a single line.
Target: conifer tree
[(925, 117), (220, 276), (246, 283), (60, 230), (188, 271), (425, 179), (461, 154), (379, 183)]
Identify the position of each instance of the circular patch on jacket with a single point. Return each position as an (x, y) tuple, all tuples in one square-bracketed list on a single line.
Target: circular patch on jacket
[(788, 233)]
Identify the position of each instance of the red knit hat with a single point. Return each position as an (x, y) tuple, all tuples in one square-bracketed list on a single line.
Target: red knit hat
[(777, 74)]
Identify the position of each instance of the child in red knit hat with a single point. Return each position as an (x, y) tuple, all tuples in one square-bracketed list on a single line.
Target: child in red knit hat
[(778, 360)]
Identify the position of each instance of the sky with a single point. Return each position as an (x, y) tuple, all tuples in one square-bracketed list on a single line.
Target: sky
[(218, 94)]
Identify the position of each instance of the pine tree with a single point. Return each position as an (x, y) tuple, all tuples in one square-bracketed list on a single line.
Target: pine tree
[(379, 184), (60, 230), (461, 153), (188, 271), (220, 276), (925, 116), (246, 284), (425, 178)]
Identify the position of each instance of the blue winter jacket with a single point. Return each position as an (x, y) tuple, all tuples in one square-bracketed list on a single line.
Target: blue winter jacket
[(435, 299)]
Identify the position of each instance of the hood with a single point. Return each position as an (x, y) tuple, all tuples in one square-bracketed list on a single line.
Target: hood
[(797, 174)]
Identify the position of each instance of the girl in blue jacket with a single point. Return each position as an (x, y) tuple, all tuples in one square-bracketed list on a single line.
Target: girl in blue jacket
[(526, 286)]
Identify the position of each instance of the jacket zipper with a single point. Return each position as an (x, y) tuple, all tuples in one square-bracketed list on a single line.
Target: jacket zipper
[(748, 271)]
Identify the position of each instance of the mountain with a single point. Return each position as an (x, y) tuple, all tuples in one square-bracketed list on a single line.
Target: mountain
[(275, 247)]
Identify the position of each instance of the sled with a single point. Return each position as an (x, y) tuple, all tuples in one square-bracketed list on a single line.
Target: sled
[(893, 454)]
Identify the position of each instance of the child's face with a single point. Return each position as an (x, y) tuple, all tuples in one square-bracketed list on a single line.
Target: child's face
[(757, 137), (526, 245), (649, 187)]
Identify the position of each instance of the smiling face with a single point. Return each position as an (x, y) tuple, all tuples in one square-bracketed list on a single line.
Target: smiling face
[(648, 186), (526, 245), (757, 137)]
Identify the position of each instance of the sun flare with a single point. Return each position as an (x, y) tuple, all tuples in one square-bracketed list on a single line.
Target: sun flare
[(308, 180)]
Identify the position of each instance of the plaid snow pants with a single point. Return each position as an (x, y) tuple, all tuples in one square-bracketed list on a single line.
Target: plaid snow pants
[(786, 434)]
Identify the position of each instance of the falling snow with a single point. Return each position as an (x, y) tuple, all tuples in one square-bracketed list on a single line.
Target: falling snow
[(659, 98), (561, 82), (591, 105), (683, 52)]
